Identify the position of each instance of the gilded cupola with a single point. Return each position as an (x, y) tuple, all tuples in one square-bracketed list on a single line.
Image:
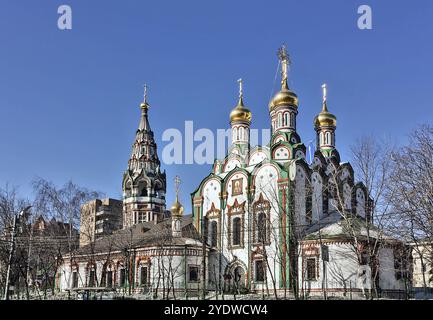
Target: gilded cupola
[(240, 112), (325, 118), (177, 208)]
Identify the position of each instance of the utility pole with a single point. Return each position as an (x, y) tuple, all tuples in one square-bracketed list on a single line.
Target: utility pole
[(12, 250)]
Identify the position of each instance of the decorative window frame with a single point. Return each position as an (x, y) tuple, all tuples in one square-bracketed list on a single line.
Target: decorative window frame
[(107, 267), (91, 266), (140, 262), (237, 210), (198, 273), (214, 215), (310, 253), (119, 266), (255, 271), (261, 205), (140, 267), (75, 268)]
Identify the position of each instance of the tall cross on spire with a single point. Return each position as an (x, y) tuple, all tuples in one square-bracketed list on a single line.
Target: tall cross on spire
[(145, 93), (324, 92), (325, 96), (177, 182), (285, 63), (241, 94)]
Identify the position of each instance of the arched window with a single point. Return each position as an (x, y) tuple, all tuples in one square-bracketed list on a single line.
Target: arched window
[(122, 277), (91, 272), (321, 138), (75, 274), (241, 133), (280, 120), (107, 276), (286, 119), (128, 189), (235, 133), (328, 138), (144, 275), (237, 231), (261, 213), (143, 192), (261, 227)]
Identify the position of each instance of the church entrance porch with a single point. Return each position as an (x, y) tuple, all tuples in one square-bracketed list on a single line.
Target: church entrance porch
[(235, 279)]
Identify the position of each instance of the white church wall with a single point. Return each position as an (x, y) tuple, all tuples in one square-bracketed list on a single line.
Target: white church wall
[(237, 190), (266, 185), (342, 272), (387, 274), (211, 191)]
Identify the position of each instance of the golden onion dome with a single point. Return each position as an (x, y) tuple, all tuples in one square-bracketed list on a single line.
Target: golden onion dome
[(325, 118), (285, 97), (240, 113), (177, 208)]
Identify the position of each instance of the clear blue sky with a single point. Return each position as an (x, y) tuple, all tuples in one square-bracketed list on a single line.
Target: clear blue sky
[(69, 99)]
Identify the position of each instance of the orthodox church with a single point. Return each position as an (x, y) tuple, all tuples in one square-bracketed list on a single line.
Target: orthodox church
[(263, 220), (275, 223)]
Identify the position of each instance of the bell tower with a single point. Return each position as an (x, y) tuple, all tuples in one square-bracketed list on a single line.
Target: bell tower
[(144, 185)]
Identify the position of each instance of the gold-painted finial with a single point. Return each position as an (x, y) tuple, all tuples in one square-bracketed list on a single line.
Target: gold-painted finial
[(285, 63)]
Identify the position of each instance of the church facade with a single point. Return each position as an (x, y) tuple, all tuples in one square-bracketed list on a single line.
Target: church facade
[(264, 220)]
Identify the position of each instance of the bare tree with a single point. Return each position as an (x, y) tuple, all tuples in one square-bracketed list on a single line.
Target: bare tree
[(371, 163), (412, 200), (11, 203), (63, 206)]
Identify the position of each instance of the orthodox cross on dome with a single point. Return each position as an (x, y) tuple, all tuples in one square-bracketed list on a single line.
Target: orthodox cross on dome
[(241, 93), (177, 182), (145, 93), (325, 97), (285, 63), (324, 89)]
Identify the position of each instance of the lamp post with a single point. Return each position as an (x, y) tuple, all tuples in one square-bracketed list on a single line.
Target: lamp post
[(12, 249)]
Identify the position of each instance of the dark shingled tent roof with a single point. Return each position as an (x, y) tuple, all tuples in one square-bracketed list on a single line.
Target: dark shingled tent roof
[(143, 235)]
